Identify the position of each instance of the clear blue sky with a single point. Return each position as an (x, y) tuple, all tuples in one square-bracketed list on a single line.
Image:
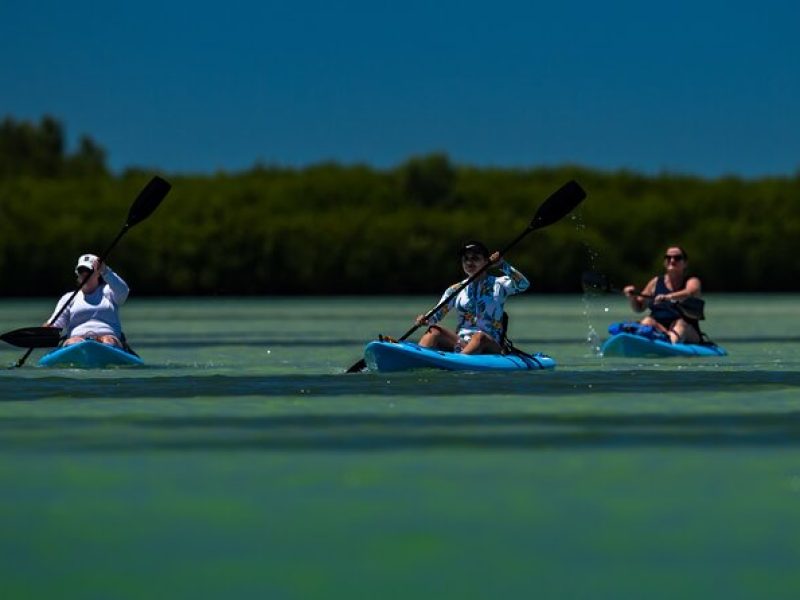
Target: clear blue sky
[(708, 88)]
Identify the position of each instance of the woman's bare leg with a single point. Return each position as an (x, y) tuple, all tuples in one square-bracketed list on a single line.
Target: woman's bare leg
[(482, 343), (654, 324), (111, 340), (439, 338), (682, 332)]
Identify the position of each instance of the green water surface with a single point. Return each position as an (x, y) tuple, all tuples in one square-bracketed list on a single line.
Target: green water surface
[(243, 461)]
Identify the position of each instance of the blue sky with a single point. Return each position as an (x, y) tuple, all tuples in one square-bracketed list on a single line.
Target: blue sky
[(708, 88)]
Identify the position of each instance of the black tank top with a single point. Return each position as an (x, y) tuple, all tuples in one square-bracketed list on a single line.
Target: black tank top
[(665, 313)]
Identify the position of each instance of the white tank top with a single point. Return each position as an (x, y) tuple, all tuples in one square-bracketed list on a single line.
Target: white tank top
[(96, 313)]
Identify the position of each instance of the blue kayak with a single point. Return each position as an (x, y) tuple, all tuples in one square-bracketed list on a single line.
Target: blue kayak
[(89, 355), (632, 345), (404, 356)]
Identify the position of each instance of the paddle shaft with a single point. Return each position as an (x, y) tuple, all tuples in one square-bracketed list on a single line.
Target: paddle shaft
[(682, 305), (637, 293)]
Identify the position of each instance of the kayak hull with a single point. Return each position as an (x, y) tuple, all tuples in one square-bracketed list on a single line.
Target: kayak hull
[(637, 346), (90, 355), (405, 356)]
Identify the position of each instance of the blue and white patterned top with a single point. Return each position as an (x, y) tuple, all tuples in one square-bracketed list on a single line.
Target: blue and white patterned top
[(480, 304)]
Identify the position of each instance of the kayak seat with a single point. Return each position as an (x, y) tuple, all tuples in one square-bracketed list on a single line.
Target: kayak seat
[(125, 345), (635, 328), (506, 344)]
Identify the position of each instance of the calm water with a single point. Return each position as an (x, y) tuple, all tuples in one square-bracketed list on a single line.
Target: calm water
[(243, 460)]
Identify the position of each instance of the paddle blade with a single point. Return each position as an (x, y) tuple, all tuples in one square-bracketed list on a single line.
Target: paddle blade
[(33, 337), (558, 205), (692, 308), (357, 367), (148, 200), (594, 283)]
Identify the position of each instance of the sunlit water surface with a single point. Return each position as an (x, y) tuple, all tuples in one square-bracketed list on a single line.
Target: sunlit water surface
[(243, 460)]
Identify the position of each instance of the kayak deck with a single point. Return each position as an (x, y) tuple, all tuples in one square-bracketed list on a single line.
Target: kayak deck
[(637, 346), (89, 354), (404, 356)]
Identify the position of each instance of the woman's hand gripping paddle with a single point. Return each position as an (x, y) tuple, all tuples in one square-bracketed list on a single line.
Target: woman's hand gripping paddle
[(558, 205), (143, 206)]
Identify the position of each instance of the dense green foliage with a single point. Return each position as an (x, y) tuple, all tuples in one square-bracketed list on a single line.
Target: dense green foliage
[(331, 229), (38, 151)]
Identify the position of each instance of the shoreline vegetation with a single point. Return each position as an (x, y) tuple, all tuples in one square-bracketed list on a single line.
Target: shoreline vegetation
[(331, 229)]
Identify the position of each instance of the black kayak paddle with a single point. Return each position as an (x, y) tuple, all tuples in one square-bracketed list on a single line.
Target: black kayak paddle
[(33, 337)]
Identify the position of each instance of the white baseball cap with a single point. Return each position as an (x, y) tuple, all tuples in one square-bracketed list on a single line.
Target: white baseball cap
[(85, 261)]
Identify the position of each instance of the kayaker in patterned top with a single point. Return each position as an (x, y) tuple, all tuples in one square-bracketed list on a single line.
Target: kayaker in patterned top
[(94, 313), (479, 305), (668, 289)]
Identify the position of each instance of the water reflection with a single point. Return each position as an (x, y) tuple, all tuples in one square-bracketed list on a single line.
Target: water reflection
[(407, 432), (436, 383)]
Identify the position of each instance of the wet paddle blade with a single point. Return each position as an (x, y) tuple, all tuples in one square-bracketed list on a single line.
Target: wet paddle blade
[(692, 308), (594, 283), (558, 205), (33, 337), (148, 200), (358, 367)]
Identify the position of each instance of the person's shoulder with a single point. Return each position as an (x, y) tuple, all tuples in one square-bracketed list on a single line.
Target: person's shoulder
[(651, 285), (693, 280), (108, 292), (499, 278), (506, 284)]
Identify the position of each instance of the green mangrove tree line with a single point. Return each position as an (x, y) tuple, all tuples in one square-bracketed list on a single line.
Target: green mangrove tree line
[(334, 229)]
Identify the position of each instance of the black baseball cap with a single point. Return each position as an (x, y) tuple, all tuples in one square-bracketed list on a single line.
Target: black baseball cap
[(474, 246)]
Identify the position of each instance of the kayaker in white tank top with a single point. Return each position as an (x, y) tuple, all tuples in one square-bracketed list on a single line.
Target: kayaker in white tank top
[(94, 312)]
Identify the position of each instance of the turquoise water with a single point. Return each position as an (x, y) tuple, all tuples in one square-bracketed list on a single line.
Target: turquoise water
[(242, 460)]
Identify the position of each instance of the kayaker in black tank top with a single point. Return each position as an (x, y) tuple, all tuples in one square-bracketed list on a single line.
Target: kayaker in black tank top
[(668, 289)]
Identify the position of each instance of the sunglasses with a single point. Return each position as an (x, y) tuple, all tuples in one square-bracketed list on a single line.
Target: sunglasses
[(82, 271), (675, 257)]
